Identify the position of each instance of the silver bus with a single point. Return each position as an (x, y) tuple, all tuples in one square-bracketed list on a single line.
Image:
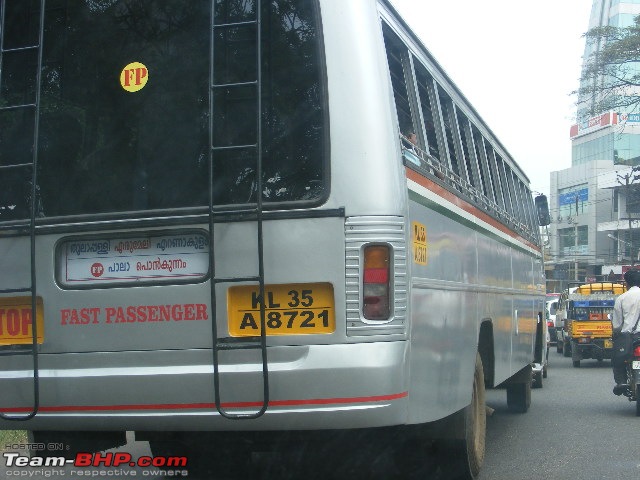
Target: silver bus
[(244, 219)]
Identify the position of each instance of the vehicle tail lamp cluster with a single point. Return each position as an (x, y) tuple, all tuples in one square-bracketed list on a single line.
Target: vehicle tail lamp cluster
[(376, 282), (636, 351)]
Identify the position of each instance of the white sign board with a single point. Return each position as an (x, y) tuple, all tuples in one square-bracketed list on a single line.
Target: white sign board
[(156, 258)]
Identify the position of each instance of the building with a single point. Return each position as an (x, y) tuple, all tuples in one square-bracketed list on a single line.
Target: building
[(578, 205), (594, 234)]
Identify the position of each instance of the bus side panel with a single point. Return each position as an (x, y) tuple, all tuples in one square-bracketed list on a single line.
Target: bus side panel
[(475, 272), (525, 310), (496, 300), (443, 321)]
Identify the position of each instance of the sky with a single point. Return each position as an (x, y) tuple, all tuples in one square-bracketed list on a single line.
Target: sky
[(517, 63)]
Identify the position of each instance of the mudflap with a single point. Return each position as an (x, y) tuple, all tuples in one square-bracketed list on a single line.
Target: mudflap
[(519, 390)]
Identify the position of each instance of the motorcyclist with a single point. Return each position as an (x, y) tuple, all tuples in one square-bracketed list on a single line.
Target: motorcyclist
[(625, 315)]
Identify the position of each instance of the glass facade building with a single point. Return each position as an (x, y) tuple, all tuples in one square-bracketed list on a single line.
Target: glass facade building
[(591, 235), (618, 137), (623, 148)]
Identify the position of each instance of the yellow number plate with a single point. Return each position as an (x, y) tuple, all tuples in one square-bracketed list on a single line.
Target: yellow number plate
[(16, 320), (291, 309), (608, 344)]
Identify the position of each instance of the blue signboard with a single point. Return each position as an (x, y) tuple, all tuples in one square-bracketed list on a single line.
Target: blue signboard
[(569, 198), (629, 117)]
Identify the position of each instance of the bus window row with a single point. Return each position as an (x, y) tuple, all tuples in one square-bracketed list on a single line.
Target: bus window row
[(450, 146)]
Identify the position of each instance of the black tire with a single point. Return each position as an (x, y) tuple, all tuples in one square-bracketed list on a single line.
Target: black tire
[(475, 435), (566, 350), (637, 400), (559, 345), (519, 394), (462, 459)]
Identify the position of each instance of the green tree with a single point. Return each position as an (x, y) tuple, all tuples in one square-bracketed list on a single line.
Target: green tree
[(611, 75)]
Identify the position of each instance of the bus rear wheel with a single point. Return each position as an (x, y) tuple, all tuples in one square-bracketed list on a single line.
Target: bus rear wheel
[(462, 458), (476, 416)]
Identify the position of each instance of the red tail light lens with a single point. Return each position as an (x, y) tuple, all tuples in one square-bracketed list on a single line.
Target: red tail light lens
[(375, 284), (549, 324), (636, 351)]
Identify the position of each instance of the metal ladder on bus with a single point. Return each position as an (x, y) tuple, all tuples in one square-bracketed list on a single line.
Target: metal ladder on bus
[(29, 227), (251, 211)]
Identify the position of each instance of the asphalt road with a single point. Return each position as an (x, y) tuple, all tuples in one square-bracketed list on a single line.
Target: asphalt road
[(575, 429)]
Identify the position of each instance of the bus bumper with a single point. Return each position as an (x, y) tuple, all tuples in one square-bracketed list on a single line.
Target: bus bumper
[(310, 387)]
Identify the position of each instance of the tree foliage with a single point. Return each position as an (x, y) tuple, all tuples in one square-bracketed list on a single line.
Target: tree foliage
[(611, 73)]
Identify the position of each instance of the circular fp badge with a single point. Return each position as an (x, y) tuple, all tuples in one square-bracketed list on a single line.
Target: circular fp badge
[(134, 77), (97, 269)]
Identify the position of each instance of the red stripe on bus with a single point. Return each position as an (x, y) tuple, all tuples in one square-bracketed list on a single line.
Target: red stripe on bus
[(211, 406), (466, 206)]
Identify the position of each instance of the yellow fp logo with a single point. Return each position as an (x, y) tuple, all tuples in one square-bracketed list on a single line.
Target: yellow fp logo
[(134, 77)]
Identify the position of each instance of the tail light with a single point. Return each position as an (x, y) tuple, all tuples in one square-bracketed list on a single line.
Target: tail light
[(636, 351), (550, 324), (375, 283), (584, 340)]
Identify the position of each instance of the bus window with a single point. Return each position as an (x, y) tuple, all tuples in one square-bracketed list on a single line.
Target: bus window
[(511, 187), (523, 198), (396, 56), (504, 184), (469, 150), (118, 149), (293, 105), (497, 185), (450, 129), (481, 155), (426, 91)]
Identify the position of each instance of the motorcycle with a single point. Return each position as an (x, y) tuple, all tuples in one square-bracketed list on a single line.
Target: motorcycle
[(633, 376)]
